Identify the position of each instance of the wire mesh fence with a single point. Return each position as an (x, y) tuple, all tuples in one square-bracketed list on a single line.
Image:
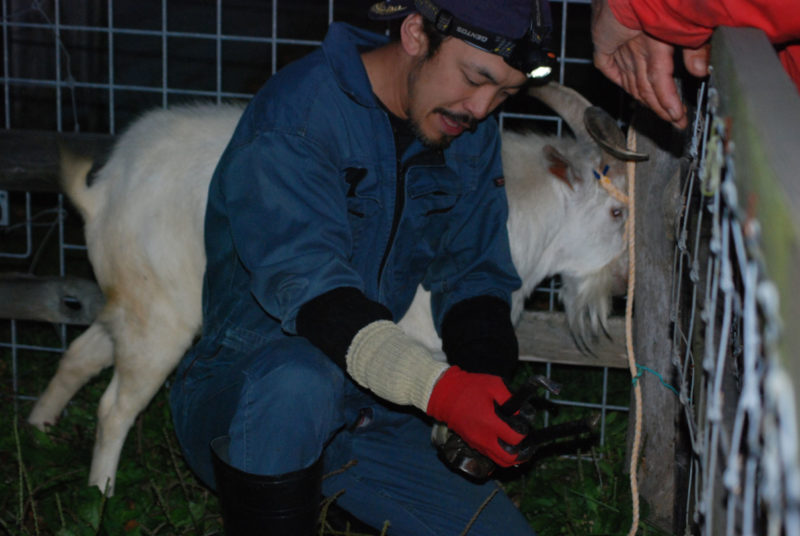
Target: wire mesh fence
[(96, 66), (737, 398)]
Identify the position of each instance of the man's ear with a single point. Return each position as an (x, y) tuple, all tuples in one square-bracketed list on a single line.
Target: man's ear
[(412, 36)]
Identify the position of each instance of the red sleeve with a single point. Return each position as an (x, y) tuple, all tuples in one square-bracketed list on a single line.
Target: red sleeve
[(790, 58), (689, 23)]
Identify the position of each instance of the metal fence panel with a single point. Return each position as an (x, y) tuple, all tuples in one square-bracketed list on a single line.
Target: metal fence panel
[(734, 353)]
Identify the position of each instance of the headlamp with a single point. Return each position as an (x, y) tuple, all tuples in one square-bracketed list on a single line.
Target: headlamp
[(528, 54)]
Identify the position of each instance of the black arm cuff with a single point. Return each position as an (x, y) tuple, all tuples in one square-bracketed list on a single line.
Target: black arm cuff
[(331, 320), (477, 335)]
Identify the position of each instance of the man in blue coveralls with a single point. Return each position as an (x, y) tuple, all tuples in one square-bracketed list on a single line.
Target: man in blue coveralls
[(355, 174)]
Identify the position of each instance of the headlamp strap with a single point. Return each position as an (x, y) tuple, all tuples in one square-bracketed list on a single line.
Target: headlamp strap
[(527, 54), (448, 24)]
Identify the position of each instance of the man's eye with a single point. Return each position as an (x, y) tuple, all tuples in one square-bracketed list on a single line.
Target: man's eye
[(470, 81)]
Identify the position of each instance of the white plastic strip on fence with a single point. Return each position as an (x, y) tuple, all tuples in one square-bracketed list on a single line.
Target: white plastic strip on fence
[(738, 399)]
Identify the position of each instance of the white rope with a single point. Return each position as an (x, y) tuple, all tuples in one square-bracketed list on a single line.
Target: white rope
[(637, 389)]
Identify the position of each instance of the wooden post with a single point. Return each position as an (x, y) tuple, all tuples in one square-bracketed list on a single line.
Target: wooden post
[(657, 205)]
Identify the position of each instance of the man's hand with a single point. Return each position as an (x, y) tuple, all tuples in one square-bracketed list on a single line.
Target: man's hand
[(467, 403), (642, 65)]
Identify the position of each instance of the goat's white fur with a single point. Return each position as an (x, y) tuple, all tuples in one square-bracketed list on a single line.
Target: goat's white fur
[(144, 231)]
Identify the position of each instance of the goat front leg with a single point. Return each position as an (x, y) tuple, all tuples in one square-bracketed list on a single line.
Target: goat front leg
[(89, 354), (142, 364)]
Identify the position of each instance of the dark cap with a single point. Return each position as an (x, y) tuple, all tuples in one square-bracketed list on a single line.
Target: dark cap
[(509, 18), (517, 30)]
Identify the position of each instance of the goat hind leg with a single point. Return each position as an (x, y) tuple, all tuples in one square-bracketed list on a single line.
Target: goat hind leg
[(137, 378), (90, 353)]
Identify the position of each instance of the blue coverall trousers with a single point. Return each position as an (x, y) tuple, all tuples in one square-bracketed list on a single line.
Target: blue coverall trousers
[(285, 403)]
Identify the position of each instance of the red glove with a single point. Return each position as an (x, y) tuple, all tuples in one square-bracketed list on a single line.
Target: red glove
[(466, 402)]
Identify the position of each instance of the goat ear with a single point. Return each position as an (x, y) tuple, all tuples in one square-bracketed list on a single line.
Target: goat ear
[(557, 165)]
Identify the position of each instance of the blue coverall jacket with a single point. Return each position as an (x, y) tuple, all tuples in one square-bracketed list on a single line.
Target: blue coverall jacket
[(309, 196)]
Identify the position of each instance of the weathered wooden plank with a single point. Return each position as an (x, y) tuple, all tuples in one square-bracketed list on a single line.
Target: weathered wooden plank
[(29, 158), (544, 337), (63, 300)]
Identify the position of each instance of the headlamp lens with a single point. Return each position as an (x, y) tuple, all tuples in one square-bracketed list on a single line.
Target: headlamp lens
[(531, 59), (540, 72)]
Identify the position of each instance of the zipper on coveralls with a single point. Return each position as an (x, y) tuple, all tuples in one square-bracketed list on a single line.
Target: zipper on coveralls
[(426, 157), (399, 202)]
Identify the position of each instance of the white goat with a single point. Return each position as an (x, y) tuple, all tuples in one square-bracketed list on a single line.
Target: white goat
[(144, 231)]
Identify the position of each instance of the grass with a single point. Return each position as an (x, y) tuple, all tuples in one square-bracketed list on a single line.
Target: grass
[(43, 477)]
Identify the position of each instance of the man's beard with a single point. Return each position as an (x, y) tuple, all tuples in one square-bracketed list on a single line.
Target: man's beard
[(445, 141), (415, 122)]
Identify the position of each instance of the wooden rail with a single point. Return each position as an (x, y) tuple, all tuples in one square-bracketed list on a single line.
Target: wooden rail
[(61, 300), (29, 158), (543, 336)]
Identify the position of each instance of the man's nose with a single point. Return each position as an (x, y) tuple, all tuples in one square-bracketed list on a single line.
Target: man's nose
[(481, 103)]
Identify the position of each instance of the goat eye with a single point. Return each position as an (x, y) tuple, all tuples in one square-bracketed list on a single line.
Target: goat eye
[(616, 213)]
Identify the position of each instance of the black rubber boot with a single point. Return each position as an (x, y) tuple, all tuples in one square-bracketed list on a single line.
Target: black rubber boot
[(282, 505)]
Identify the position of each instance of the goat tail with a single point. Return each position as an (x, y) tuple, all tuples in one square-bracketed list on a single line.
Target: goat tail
[(74, 173)]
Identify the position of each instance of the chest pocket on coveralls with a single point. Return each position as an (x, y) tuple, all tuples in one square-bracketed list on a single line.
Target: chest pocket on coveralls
[(362, 201), (432, 197), (431, 205)]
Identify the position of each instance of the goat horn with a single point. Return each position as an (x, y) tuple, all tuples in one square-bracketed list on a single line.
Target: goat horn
[(605, 131), (567, 103), (587, 122)]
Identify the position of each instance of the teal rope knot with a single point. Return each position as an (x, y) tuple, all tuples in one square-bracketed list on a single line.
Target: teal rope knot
[(643, 369)]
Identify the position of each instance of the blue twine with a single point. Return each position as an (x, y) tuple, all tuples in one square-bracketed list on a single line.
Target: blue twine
[(597, 175), (642, 370)]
